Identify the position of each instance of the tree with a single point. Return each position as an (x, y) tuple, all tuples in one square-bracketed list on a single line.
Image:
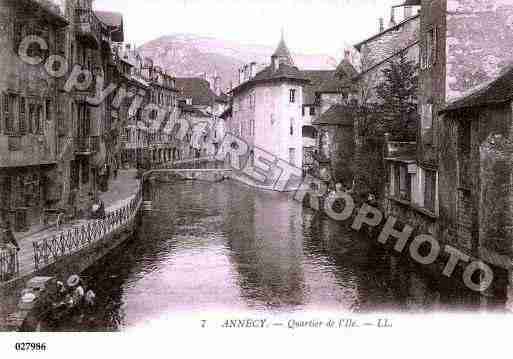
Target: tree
[(398, 99), (390, 106)]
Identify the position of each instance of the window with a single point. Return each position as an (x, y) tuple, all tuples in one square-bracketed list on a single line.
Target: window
[(74, 175), (292, 96), (48, 110), (9, 103), (22, 116), (430, 191), (85, 171), (292, 127), (401, 182), (312, 110), (429, 53), (32, 117), (303, 111), (6, 192), (252, 127), (292, 156), (427, 123), (39, 119)]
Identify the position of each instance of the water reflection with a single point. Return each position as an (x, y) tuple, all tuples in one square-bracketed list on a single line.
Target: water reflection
[(227, 247)]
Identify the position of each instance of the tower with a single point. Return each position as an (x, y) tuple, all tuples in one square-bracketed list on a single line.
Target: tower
[(282, 54)]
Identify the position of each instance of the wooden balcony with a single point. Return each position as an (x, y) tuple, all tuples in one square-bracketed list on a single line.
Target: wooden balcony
[(87, 146)]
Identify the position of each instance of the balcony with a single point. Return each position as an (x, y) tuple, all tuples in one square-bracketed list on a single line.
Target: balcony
[(88, 27), (86, 146)]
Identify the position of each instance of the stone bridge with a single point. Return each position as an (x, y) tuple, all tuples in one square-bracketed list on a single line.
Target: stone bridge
[(168, 175)]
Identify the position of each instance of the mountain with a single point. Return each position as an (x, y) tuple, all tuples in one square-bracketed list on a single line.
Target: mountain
[(187, 55)]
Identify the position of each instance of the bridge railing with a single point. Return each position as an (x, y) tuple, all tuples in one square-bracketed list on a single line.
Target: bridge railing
[(50, 250), (9, 264)]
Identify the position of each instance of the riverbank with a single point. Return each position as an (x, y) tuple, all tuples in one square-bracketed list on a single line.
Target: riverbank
[(74, 246)]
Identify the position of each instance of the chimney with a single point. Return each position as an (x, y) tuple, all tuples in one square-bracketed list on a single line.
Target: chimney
[(408, 12), (347, 55), (392, 18), (252, 70), (381, 25)]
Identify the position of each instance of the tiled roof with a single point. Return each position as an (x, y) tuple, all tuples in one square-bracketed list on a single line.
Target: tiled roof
[(499, 90), (282, 52), (284, 72), (196, 88), (340, 115), (317, 78), (114, 20), (346, 68), (333, 85)]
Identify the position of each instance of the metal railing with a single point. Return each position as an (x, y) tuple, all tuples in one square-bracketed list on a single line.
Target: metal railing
[(9, 264), (50, 250)]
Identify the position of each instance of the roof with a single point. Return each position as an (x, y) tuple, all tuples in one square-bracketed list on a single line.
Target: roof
[(345, 67), (497, 91), (284, 72), (114, 20), (196, 88), (411, 3), (333, 85), (282, 52), (340, 115), (359, 45), (191, 109), (317, 78)]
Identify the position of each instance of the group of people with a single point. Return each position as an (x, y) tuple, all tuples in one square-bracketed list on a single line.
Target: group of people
[(97, 207), (73, 294)]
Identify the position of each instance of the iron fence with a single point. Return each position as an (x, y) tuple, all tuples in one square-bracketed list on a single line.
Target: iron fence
[(49, 250), (9, 264)]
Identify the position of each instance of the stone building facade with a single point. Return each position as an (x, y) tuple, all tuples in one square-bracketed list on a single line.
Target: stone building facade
[(464, 44), (54, 143), (376, 52), (29, 100), (268, 105)]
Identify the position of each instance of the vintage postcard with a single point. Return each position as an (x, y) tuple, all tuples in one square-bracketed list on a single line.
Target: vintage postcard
[(287, 171)]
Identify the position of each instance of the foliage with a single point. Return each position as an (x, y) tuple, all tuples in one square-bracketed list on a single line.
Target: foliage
[(398, 97)]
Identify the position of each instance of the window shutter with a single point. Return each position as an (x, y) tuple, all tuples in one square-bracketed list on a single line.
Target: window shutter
[(3, 114), (22, 118), (435, 44)]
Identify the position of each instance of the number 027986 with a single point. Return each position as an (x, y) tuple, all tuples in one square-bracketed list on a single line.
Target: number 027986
[(30, 347)]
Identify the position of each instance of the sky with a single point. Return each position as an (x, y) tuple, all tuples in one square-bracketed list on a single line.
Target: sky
[(310, 26)]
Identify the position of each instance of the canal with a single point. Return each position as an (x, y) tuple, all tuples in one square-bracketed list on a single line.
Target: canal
[(224, 247)]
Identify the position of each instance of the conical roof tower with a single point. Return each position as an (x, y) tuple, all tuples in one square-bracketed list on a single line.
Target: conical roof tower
[(282, 53)]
